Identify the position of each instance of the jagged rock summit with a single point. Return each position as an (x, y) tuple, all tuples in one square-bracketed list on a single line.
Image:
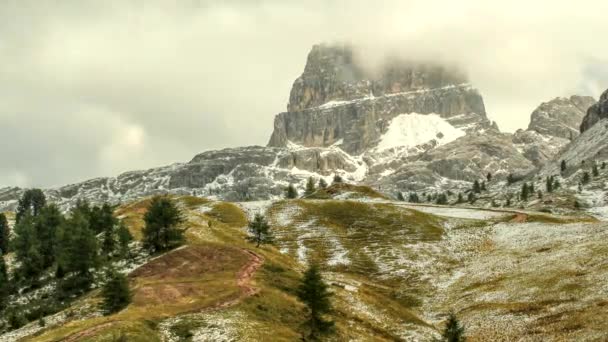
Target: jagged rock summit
[(560, 117), (596, 112), (406, 127)]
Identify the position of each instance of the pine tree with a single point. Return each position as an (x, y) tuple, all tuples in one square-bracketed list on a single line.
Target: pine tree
[(115, 293), (556, 185), (577, 205), (124, 239), (603, 165), (4, 282), (429, 198), (4, 234), (454, 331), (260, 230), (460, 199), (549, 184), (322, 183), (586, 177), (108, 242), (101, 218), (161, 231), (596, 172), (400, 197), (483, 186), (314, 293), (471, 198), (510, 179), (77, 248), (26, 246), (508, 202), (413, 198), (30, 203), (489, 177), (494, 204), (46, 225), (524, 192), (476, 187), (563, 166), (531, 188), (442, 199), (310, 187), (337, 178), (540, 194), (291, 192)]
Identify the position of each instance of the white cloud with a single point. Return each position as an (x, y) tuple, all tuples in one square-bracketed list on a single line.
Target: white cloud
[(92, 88)]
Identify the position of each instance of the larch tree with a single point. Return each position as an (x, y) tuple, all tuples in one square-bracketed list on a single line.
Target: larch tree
[(161, 231)]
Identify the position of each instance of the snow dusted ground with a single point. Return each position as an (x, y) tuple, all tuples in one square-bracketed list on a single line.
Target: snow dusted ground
[(465, 213)]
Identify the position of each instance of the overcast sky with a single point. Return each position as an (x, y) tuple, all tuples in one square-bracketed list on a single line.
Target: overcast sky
[(95, 88)]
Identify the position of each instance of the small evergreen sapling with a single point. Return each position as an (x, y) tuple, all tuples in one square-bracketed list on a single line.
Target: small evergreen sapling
[(260, 230), (310, 186), (337, 178), (291, 192), (454, 331), (322, 183)]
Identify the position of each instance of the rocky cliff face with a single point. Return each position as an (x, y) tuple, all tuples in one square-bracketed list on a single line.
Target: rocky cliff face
[(596, 113), (336, 102), (560, 117), (409, 127)]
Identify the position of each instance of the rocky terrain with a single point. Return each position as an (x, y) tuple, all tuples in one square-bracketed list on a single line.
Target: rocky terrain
[(407, 127)]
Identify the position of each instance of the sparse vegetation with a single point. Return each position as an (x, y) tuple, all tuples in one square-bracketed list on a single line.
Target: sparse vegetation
[(454, 330)]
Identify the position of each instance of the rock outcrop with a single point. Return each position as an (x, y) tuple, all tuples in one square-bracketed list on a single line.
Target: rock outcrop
[(596, 113), (335, 102), (560, 117), (409, 127)]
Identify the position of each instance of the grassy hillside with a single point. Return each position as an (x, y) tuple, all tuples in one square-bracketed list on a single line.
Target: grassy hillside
[(395, 272)]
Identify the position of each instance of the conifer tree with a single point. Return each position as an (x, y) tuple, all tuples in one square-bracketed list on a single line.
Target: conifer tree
[(596, 172), (314, 293), (603, 165), (540, 194), (483, 186), (4, 234), (454, 331), (494, 204), (429, 198), (400, 197), (508, 202), (115, 293), (476, 187), (161, 230), (4, 282), (442, 199), (310, 187), (291, 192), (77, 250), (510, 179), (322, 183), (556, 184), (30, 203), (471, 197), (460, 199), (531, 189), (413, 198), (337, 178), (27, 249), (46, 225), (549, 184), (124, 239), (108, 242), (260, 230), (563, 166), (524, 192), (586, 177), (489, 177)]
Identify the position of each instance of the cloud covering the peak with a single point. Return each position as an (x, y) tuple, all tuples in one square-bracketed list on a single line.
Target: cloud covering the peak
[(94, 88)]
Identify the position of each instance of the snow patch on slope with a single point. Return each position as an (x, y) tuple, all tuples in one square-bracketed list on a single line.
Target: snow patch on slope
[(411, 130)]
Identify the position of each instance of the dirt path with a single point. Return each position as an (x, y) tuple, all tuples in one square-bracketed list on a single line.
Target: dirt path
[(88, 332), (244, 281), (520, 218)]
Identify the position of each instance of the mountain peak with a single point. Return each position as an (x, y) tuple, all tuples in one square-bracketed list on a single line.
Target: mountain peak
[(561, 116)]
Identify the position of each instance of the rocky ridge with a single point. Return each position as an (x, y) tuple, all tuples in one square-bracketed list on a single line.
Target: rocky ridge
[(408, 127)]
